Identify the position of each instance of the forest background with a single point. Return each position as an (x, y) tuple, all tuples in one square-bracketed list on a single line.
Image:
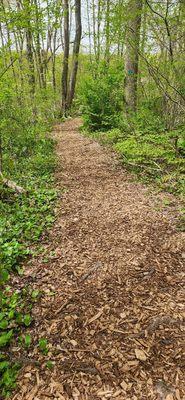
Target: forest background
[(121, 66)]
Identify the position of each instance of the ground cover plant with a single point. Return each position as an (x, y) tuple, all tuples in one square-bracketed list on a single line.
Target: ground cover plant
[(148, 149), (26, 208)]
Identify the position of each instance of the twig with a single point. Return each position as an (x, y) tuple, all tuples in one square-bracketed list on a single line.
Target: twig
[(63, 306), (7, 68)]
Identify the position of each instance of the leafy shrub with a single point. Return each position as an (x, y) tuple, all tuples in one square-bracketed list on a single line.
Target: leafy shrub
[(101, 97), (149, 150)]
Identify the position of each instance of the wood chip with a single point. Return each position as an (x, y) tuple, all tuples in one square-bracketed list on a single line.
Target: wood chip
[(140, 355), (95, 317)]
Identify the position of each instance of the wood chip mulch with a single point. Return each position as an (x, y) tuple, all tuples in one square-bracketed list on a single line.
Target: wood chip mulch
[(111, 277)]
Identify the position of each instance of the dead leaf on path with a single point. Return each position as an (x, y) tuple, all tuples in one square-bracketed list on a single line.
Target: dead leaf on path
[(140, 355)]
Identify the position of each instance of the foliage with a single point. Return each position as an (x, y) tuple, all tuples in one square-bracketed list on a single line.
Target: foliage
[(149, 150), (100, 94), (28, 160), (43, 345)]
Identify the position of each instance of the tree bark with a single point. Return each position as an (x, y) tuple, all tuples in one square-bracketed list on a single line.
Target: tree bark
[(41, 76), (76, 50), (107, 33), (132, 54), (65, 58), (29, 48)]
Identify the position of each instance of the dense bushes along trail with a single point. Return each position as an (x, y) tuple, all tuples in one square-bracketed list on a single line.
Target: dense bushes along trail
[(111, 281)]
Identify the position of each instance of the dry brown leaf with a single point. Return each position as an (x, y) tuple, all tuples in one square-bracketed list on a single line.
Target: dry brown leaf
[(140, 355)]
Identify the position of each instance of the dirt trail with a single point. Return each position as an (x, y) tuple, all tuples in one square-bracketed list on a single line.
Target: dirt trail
[(111, 274)]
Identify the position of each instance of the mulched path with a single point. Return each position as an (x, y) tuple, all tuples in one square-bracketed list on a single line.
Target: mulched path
[(111, 276)]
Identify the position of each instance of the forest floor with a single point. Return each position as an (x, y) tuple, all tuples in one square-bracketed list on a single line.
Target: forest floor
[(111, 277)]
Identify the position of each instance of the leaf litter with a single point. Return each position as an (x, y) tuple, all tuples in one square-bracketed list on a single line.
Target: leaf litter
[(115, 320)]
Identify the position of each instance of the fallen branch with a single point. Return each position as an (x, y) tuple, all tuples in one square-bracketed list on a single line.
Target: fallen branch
[(12, 185), (143, 166), (77, 366)]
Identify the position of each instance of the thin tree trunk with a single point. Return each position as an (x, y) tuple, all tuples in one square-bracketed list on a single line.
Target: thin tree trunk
[(53, 58), (76, 50), (132, 54), (107, 33), (42, 81), (30, 58), (94, 29), (65, 58), (29, 48), (89, 31), (98, 30)]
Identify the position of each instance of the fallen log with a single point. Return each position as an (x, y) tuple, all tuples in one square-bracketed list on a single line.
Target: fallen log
[(12, 185)]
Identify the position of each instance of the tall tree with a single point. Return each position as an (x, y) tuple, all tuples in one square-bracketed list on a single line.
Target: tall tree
[(65, 58), (76, 50), (107, 32), (132, 53)]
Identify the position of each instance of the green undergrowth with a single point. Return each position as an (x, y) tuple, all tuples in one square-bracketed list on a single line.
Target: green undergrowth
[(23, 219), (151, 152)]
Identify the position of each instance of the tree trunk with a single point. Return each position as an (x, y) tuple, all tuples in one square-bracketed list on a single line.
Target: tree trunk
[(132, 54), (30, 58), (66, 57), (107, 33), (42, 82), (89, 30), (76, 50), (94, 29)]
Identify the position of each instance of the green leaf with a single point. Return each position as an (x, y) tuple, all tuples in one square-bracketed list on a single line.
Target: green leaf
[(4, 365), (20, 271), (43, 345), (11, 314), (2, 314), (5, 338), (49, 364), (4, 324), (27, 320), (27, 340), (35, 294), (4, 276)]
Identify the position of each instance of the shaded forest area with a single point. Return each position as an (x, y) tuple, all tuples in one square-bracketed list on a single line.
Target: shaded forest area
[(120, 65)]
